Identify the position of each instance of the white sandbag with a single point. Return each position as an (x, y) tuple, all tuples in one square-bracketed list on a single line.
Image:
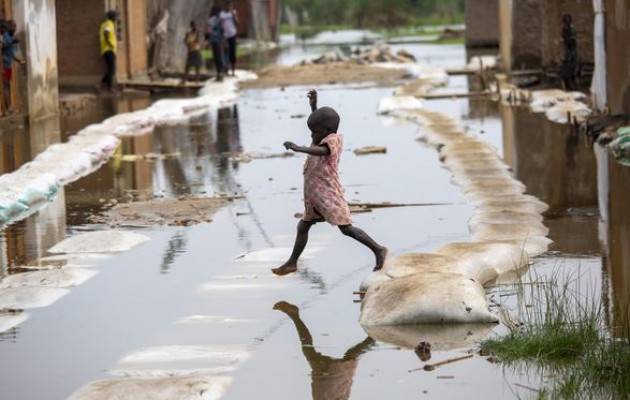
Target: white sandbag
[(191, 387), (388, 105), (532, 245), (542, 100), (25, 297), (503, 217), (84, 260), (431, 298), (487, 260), (9, 320), (560, 112), (373, 278), (109, 241), (441, 338), (415, 263), (52, 278), (489, 232), (479, 63), (518, 203)]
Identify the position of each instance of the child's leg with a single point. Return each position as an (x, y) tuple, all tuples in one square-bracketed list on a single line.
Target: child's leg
[(360, 236), (300, 243)]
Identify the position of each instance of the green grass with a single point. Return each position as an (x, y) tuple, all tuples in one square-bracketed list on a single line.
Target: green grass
[(568, 340)]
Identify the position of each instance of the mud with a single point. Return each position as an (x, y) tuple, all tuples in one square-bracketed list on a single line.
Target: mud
[(170, 212), (317, 74)]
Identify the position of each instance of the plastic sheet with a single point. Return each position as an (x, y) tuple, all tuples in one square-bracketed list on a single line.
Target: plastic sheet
[(621, 146), (110, 241)]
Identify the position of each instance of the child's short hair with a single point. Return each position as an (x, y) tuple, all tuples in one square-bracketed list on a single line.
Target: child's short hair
[(326, 117)]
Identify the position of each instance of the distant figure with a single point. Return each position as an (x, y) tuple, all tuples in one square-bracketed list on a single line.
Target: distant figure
[(216, 40), (229, 24), (331, 378), (193, 58), (570, 69), (323, 193), (9, 55), (109, 46)]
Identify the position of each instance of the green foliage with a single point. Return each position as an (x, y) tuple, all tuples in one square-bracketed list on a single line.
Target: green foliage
[(374, 13)]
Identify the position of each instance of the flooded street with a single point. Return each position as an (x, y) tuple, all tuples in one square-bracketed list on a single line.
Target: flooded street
[(202, 298)]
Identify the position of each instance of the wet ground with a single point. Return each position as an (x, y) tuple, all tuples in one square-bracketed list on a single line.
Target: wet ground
[(186, 287)]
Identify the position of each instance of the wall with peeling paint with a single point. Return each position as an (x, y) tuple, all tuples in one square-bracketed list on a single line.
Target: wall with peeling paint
[(36, 20)]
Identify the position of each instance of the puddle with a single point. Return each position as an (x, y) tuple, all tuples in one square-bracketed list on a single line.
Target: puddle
[(172, 293)]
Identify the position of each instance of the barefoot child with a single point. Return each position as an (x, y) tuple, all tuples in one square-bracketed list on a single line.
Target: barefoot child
[(323, 194)]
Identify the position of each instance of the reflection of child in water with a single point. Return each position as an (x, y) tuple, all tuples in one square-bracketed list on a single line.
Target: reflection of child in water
[(323, 193), (331, 377)]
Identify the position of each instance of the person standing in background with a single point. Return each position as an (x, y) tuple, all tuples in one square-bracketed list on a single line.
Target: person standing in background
[(109, 45), (9, 54), (193, 58), (229, 24), (215, 39)]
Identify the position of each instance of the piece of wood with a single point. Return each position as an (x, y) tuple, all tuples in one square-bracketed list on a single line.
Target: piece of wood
[(394, 205), (431, 367), (453, 95)]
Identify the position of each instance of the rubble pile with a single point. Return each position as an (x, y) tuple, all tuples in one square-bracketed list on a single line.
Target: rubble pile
[(371, 55)]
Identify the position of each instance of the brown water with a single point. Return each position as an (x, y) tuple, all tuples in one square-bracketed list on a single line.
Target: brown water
[(138, 296)]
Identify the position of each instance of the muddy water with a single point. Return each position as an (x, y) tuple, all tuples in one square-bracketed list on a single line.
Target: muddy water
[(186, 288)]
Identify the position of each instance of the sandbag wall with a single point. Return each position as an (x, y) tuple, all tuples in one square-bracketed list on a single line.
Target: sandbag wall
[(23, 191), (447, 286)]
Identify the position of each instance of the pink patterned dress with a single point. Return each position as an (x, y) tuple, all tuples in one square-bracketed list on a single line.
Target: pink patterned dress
[(323, 193)]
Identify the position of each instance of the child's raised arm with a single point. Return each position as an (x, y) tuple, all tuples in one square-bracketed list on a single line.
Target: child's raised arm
[(312, 99), (314, 150)]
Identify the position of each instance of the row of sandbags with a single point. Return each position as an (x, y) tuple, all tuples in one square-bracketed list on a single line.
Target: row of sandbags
[(23, 191), (447, 285)]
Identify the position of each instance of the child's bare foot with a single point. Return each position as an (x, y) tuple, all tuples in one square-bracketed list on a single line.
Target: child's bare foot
[(381, 256), (286, 269)]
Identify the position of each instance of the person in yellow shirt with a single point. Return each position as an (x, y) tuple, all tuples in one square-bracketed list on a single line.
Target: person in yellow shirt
[(107, 35)]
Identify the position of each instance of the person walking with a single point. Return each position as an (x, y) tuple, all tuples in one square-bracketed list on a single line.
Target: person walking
[(215, 39), (109, 46), (229, 24)]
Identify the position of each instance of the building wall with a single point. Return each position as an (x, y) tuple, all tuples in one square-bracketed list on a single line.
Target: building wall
[(583, 19), (80, 61), (530, 32), (37, 25), (482, 23), (618, 55)]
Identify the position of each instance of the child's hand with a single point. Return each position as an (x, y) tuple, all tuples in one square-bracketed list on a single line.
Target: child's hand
[(290, 145), (312, 99)]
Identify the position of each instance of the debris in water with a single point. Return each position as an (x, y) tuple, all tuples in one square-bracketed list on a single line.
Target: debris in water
[(249, 157), (370, 150), (431, 367), (184, 211), (423, 351)]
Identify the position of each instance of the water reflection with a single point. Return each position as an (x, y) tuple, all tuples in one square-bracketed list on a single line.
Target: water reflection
[(331, 378), (176, 246)]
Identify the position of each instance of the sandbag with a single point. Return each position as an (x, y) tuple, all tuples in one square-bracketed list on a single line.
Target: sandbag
[(397, 103), (431, 298), (9, 320), (489, 232)]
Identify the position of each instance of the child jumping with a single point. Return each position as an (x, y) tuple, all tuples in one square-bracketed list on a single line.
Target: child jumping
[(323, 193)]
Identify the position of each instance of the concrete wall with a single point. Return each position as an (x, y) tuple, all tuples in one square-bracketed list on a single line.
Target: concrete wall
[(78, 21), (618, 55), (37, 23), (531, 32), (482, 23)]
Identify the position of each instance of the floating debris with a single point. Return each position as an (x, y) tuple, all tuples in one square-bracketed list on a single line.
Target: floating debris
[(370, 150)]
